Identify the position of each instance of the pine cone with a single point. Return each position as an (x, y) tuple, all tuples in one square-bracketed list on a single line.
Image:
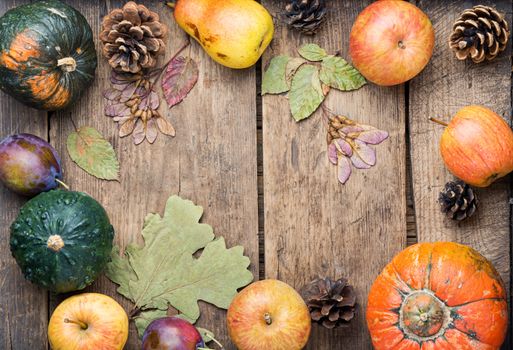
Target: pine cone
[(479, 33), (331, 303), (305, 15), (458, 200), (132, 38)]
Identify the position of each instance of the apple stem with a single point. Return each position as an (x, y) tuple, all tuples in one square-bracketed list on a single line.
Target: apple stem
[(80, 323), (438, 121), (63, 184), (268, 319)]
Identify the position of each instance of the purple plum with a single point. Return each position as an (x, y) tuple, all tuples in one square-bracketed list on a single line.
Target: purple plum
[(29, 165), (171, 333)]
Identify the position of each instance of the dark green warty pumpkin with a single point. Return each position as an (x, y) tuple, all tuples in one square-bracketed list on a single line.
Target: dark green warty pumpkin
[(47, 54), (62, 240)]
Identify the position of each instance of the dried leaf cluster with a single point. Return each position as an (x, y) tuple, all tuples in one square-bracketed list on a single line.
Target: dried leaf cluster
[(133, 38), (134, 103), (348, 145), (165, 271), (309, 78)]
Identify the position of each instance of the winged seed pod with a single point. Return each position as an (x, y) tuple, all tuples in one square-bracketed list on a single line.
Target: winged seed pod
[(348, 145)]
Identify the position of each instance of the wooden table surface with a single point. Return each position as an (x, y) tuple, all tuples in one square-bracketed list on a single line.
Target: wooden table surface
[(265, 181)]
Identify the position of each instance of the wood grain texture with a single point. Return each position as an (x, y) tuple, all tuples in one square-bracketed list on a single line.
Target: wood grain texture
[(440, 91), (314, 225), (212, 160), (23, 305)]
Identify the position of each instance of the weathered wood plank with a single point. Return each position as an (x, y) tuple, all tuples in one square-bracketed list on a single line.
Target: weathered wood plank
[(314, 225), (23, 306), (211, 161), (440, 91)]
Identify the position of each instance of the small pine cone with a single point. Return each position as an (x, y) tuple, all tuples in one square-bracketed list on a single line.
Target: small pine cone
[(305, 15), (480, 33), (458, 200), (132, 38), (331, 303)]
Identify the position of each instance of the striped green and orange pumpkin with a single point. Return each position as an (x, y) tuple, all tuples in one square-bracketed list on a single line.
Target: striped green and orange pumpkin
[(47, 54)]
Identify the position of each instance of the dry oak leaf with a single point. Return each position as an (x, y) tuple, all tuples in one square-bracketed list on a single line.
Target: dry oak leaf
[(164, 271), (90, 151)]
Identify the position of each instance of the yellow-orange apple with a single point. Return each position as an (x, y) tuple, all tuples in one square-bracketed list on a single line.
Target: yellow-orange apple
[(88, 321), (477, 146), (391, 42), (269, 315)]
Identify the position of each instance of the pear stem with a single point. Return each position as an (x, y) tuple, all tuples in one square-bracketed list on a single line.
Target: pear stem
[(63, 184), (434, 120), (80, 323)]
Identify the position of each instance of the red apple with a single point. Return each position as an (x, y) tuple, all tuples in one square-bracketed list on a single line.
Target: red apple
[(477, 146), (88, 321), (391, 42), (269, 315)]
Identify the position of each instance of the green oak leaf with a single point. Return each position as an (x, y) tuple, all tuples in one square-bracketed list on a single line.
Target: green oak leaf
[(90, 151), (337, 73), (306, 94), (273, 81), (312, 52), (143, 320), (164, 271)]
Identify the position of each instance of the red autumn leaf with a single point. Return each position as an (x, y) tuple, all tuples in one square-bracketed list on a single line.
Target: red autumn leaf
[(180, 77)]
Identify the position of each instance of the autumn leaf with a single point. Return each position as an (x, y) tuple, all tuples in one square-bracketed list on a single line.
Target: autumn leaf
[(179, 78), (274, 79), (166, 270), (143, 320), (312, 52), (306, 93), (339, 74), (90, 151)]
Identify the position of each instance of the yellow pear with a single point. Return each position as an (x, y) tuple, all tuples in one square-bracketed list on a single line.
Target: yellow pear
[(234, 33)]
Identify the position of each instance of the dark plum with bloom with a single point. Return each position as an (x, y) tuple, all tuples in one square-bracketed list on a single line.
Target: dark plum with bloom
[(28, 164), (171, 333)]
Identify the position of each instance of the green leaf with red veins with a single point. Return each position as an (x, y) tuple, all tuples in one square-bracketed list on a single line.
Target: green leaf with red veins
[(274, 81), (337, 73), (179, 78), (90, 151), (306, 94), (312, 52)]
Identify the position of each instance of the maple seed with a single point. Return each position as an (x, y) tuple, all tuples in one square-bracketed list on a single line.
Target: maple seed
[(348, 144)]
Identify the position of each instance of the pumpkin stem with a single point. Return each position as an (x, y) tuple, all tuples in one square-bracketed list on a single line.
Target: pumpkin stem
[(63, 184), (67, 64), (80, 323), (55, 243), (438, 121)]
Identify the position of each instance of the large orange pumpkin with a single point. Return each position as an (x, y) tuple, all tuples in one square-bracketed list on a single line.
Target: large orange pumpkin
[(438, 296)]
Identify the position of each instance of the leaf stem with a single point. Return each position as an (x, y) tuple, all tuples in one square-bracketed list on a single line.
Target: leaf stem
[(63, 184), (438, 121), (134, 312), (184, 46)]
